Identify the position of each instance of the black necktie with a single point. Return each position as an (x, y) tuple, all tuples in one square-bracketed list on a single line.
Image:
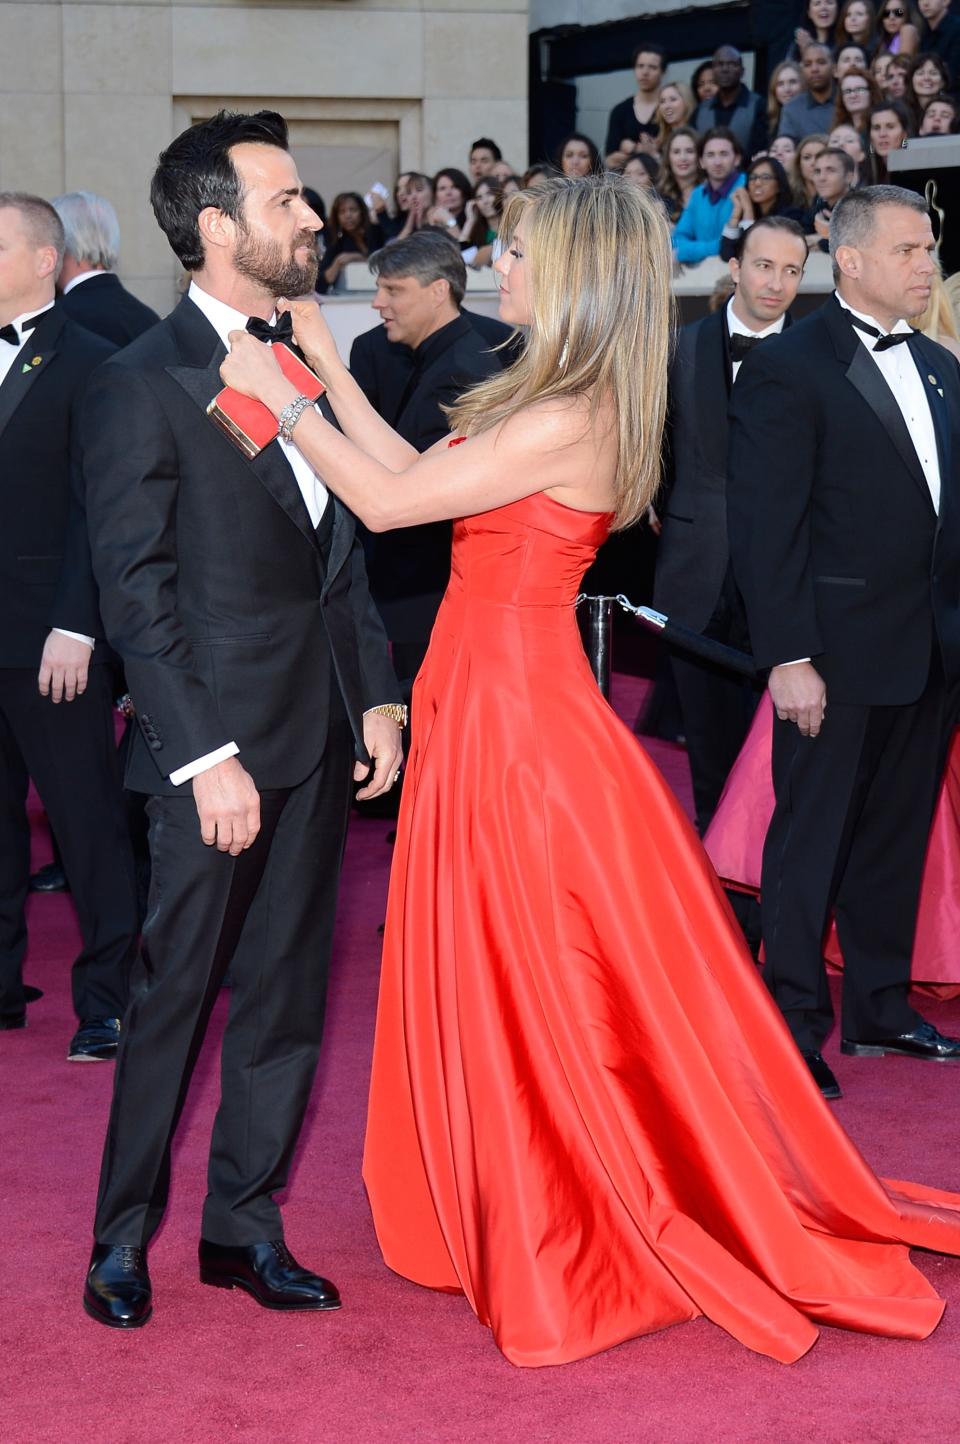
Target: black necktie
[(894, 338), (282, 331), (741, 345), (11, 334)]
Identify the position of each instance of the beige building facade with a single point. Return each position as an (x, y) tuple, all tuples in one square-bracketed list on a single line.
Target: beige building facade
[(90, 93)]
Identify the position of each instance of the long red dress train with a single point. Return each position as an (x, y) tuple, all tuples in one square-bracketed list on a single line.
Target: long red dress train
[(585, 1111)]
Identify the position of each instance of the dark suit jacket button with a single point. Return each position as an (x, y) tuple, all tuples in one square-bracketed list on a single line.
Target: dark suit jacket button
[(147, 721), (155, 744)]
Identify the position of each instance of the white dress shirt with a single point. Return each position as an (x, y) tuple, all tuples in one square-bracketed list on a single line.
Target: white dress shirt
[(9, 353), (224, 319), (735, 327), (899, 370)]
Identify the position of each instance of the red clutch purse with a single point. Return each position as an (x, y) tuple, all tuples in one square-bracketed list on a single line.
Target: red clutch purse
[(249, 424)]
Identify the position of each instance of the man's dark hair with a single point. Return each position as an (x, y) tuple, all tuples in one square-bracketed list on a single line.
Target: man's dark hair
[(485, 143), (844, 157), (651, 48), (428, 255), (719, 132), (196, 171), (784, 224)]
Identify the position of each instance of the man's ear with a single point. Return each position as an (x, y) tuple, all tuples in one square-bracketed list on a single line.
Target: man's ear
[(216, 228), (441, 291), (847, 261)]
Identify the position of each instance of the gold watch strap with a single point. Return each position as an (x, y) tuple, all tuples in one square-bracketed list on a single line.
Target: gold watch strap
[(396, 711)]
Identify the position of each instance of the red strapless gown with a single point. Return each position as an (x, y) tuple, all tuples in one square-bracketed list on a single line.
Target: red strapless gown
[(586, 1113)]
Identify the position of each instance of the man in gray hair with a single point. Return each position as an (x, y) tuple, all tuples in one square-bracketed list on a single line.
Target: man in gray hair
[(427, 353), (91, 292), (844, 519)]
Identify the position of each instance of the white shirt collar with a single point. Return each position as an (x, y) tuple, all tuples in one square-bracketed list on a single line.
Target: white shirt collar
[(84, 276), (735, 326), (898, 329), (222, 318), (25, 316)]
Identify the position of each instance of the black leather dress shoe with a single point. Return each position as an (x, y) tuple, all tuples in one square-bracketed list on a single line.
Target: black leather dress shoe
[(50, 878), (95, 1041), (822, 1075), (923, 1041), (269, 1272), (118, 1292), (10, 1021)]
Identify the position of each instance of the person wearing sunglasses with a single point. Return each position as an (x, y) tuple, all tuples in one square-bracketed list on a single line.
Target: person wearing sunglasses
[(897, 28)]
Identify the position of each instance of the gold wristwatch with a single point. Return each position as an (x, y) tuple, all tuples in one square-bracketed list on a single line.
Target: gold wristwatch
[(396, 711)]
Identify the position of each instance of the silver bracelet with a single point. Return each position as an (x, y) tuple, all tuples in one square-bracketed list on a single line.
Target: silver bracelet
[(291, 414)]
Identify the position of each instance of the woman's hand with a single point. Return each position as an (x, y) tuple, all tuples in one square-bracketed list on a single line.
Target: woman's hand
[(313, 336), (742, 207), (251, 368)]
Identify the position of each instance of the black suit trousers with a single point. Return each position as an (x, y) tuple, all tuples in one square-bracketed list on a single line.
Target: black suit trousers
[(268, 916), (716, 706), (849, 834), (68, 749)]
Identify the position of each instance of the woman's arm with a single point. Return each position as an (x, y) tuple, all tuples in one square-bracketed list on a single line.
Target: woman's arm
[(546, 448)]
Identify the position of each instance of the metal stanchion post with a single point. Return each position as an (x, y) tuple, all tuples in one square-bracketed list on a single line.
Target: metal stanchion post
[(596, 628)]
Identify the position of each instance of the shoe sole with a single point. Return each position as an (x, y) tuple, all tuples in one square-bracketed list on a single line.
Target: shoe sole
[(91, 1058), (230, 1281), (116, 1323), (869, 1050)]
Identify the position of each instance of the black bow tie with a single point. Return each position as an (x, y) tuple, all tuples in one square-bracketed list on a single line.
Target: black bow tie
[(741, 345), (893, 338), (11, 334), (282, 331)]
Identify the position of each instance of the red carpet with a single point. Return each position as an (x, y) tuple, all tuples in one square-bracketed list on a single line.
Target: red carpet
[(398, 1363)]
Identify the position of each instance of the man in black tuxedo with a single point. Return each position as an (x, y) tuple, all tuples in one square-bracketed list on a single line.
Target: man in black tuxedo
[(235, 592), (92, 295), (60, 733), (844, 517), (421, 282), (693, 581)]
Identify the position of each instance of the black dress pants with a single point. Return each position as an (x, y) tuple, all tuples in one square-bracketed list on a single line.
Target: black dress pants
[(68, 749), (268, 915), (716, 706), (849, 834)]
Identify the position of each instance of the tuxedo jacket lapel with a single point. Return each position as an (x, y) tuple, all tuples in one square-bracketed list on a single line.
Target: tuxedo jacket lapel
[(23, 373), (712, 386), (202, 351), (931, 374)]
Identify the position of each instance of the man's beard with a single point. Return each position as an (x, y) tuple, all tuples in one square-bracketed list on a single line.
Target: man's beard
[(263, 261)]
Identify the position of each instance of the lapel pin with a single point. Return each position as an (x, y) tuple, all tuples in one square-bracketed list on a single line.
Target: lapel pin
[(36, 361)]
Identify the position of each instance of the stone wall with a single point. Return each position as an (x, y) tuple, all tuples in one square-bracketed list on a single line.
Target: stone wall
[(90, 93)]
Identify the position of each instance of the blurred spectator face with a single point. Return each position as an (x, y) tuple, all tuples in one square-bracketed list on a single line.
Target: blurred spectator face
[(727, 68), (893, 269), (892, 17), (575, 159), (403, 192), (927, 80), (896, 86), (487, 196), (880, 69), (510, 187), (636, 172), (449, 195), (673, 107), (807, 159), (784, 149), (851, 57), (830, 178), (856, 94), (933, 10), (768, 275), (789, 84), (848, 138), (939, 117), (648, 70), (817, 69), (762, 186), (501, 169), (482, 162), (719, 160), (823, 13), (857, 21), (349, 217), (706, 84), (886, 132), (682, 159), (407, 309)]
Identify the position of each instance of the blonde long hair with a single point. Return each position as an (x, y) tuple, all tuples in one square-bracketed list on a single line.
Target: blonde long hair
[(601, 321)]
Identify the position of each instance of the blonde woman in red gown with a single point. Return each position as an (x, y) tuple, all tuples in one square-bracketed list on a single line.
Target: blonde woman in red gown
[(586, 1113)]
